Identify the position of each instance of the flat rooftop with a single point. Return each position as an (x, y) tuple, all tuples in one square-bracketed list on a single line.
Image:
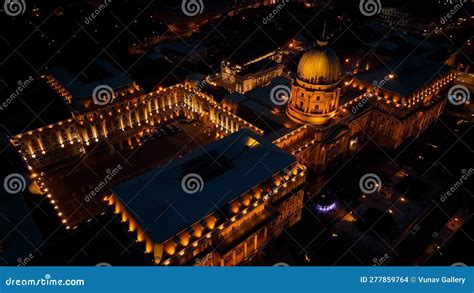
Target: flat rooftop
[(229, 168), (81, 84), (411, 74)]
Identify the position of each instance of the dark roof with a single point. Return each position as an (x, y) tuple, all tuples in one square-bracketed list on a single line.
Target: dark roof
[(411, 74), (82, 84), (163, 209), (235, 98)]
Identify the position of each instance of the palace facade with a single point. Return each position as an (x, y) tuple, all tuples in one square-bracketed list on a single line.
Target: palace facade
[(390, 107), (122, 123), (247, 191)]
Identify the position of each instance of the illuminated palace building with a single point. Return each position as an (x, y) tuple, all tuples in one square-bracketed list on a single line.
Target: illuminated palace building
[(250, 192), (251, 177), (244, 77)]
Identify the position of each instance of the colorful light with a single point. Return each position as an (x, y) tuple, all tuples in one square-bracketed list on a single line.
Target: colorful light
[(325, 209)]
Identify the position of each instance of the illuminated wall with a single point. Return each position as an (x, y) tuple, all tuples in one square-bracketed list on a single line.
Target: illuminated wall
[(234, 79), (121, 122), (314, 104), (252, 219)]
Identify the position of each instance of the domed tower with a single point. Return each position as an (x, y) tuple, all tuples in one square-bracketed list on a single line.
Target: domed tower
[(315, 91)]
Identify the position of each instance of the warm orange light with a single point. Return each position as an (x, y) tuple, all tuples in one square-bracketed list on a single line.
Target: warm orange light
[(170, 247), (234, 207), (211, 222), (184, 238)]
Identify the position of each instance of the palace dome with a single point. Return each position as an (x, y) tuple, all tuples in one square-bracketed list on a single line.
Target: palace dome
[(319, 66)]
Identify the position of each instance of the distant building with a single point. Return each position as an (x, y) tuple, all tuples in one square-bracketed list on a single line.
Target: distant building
[(242, 78), (192, 51), (78, 87), (249, 192), (397, 18)]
